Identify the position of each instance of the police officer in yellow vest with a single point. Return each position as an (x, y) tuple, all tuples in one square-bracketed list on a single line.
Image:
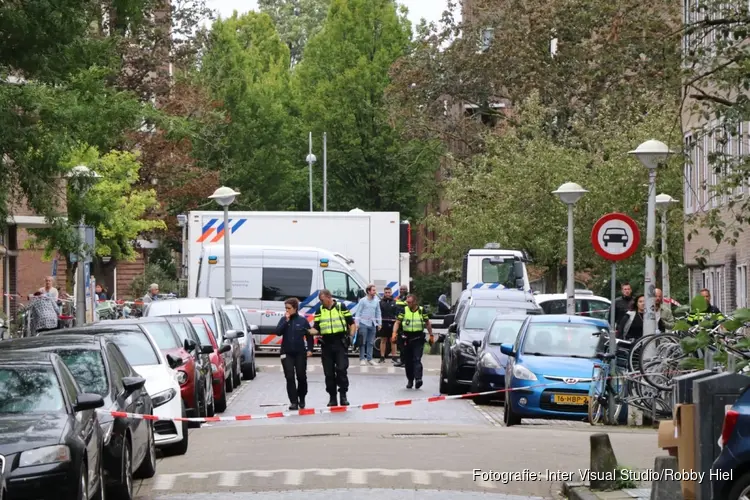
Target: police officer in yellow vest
[(335, 324), (413, 321), (401, 305)]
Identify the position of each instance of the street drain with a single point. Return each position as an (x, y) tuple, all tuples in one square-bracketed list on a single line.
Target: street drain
[(421, 435), (312, 436)]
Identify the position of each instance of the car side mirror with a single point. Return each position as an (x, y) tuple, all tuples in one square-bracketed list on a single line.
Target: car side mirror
[(441, 337), (230, 335), (189, 345), (225, 348), (448, 320), (507, 349), (207, 349), (238, 334), (253, 328), (453, 328), (173, 361), (477, 343), (87, 401), (132, 384)]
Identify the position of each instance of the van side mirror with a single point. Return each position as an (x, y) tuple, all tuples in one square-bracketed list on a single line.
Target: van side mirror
[(520, 283), (361, 294), (448, 320)]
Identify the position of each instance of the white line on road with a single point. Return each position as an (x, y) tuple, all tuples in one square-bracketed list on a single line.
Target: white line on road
[(420, 477), (229, 479), (237, 392), (484, 414), (294, 477), (357, 477), (164, 481)]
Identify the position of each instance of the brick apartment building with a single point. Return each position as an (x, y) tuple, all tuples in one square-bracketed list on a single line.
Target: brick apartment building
[(726, 270)]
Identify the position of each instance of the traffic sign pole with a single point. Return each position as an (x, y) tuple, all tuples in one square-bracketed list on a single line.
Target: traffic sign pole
[(621, 232)]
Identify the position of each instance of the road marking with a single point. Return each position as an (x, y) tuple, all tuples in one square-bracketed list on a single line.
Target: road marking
[(294, 477), (420, 477), (229, 479), (357, 477), (237, 392), (486, 415), (164, 481)]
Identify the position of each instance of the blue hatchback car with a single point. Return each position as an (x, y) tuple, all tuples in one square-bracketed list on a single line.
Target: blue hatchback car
[(549, 368), (731, 479)]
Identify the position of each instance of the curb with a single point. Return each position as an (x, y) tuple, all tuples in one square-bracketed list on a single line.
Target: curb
[(577, 491)]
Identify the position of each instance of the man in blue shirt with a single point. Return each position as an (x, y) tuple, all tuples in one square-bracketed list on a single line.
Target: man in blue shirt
[(369, 320)]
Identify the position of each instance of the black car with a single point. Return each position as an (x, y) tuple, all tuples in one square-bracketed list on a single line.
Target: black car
[(464, 336), (50, 438), (99, 367)]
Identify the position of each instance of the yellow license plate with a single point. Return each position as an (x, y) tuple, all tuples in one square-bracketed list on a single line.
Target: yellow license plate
[(568, 399)]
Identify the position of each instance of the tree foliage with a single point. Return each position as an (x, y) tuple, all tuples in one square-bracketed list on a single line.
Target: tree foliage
[(340, 87), (296, 22)]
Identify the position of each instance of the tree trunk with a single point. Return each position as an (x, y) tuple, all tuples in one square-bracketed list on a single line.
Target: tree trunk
[(552, 280), (70, 271)]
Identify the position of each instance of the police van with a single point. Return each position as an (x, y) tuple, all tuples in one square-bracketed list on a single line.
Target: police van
[(263, 277)]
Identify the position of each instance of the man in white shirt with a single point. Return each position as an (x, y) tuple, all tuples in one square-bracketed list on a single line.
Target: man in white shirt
[(49, 288)]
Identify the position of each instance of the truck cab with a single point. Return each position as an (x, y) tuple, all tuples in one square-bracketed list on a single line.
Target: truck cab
[(492, 267)]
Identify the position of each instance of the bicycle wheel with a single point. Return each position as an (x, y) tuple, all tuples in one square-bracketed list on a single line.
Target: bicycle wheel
[(595, 396), (660, 359), (620, 393), (634, 357)]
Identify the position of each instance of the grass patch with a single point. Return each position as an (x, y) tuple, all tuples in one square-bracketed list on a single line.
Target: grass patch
[(623, 481)]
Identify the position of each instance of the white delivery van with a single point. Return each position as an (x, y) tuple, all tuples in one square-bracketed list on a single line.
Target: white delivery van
[(263, 277), (492, 267)]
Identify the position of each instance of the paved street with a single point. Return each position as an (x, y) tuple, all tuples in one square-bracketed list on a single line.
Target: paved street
[(397, 452)]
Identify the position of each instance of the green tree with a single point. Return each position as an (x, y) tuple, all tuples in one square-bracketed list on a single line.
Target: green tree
[(246, 67), (340, 86), (296, 21), (111, 206)]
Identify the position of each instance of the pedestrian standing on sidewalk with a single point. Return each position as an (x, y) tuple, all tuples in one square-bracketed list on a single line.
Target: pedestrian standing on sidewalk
[(389, 311), (413, 320), (335, 324), (370, 321), (401, 304), (296, 347)]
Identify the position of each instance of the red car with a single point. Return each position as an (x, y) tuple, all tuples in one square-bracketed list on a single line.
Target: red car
[(217, 362), (169, 342)]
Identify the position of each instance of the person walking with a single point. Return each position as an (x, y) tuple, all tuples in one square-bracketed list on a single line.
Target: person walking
[(414, 320), (152, 295), (296, 346), (368, 316), (630, 327), (388, 311), (335, 324), (664, 311), (401, 304), (624, 302), (44, 313)]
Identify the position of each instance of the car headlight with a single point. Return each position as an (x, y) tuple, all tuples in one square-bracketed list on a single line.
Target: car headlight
[(182, 377), (523, 373), (489, 361), (47, 455), (214, 368), (163, 397)]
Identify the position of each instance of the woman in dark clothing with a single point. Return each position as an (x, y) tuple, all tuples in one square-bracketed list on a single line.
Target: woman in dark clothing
[(631, 325), (295, 330)]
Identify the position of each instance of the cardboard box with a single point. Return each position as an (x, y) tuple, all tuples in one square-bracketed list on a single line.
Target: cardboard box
[(667, 437), (684, 425)]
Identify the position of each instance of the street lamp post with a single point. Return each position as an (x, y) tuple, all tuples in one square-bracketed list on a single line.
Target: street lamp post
[(651, 154), (182, 222), (569, 193), (663, 202), (225, 196), (82, 177), (310, 160)]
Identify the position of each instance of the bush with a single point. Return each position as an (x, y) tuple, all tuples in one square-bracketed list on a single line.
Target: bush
[(154, 274), (430, 286)]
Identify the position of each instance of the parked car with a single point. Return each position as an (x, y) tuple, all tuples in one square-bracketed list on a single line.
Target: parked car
[(557, 350), (587, 304), (210, 310), (159, 370), (51, 445), (489, 374), (472, 319), (217, 365), (100, 368), (238, 321), (732, 466)]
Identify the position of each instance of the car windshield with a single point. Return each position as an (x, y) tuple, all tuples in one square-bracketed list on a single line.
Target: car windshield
[(200, 329), (505, 331), (480, 318), (136, 348), (210, 320), (562, 339), (29, 390), (162, 334), (234, 318), (87, 367)]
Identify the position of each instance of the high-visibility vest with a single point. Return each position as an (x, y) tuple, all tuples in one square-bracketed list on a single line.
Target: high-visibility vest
[(413, 321), (332, 321)]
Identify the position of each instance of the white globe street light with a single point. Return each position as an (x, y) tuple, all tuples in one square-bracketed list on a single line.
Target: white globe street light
[(569, 193), (310, 159), (651, 154), (82, 178), (225, 196), (663, 202)]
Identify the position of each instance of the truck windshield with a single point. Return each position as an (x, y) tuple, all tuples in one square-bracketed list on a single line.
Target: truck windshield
[(499, 273)]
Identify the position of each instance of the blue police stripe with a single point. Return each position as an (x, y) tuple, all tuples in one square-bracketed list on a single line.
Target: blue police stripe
[(310, 298), (237, 226), (209, 224)]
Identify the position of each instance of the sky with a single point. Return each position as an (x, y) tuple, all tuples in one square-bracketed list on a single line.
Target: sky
[(432, 10)]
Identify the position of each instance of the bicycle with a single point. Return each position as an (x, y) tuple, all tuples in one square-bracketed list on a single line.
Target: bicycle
[(602, 387)]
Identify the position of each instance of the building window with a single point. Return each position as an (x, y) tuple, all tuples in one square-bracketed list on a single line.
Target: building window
[(717, 294), (688, 180), (742, 299)]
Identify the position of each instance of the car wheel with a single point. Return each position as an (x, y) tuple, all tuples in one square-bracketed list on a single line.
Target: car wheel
[(480, 400), (182, 447), (123, 490), (229, 383), (147, 469), (741, 488), (210, 403), (509, 416), (443, 383), (237, 374), (220, 404)]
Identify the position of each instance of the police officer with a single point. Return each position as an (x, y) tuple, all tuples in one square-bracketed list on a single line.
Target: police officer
[(335, 324), (413, 321), (296, 346), (400, 305)]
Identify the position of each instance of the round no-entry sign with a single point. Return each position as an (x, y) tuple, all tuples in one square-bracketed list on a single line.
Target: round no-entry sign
[(615, 236)]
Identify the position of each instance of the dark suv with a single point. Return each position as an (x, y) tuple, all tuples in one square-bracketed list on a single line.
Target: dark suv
[(474, 313)]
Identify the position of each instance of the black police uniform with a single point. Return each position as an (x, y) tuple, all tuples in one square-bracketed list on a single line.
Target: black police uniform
[(294, 335)]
